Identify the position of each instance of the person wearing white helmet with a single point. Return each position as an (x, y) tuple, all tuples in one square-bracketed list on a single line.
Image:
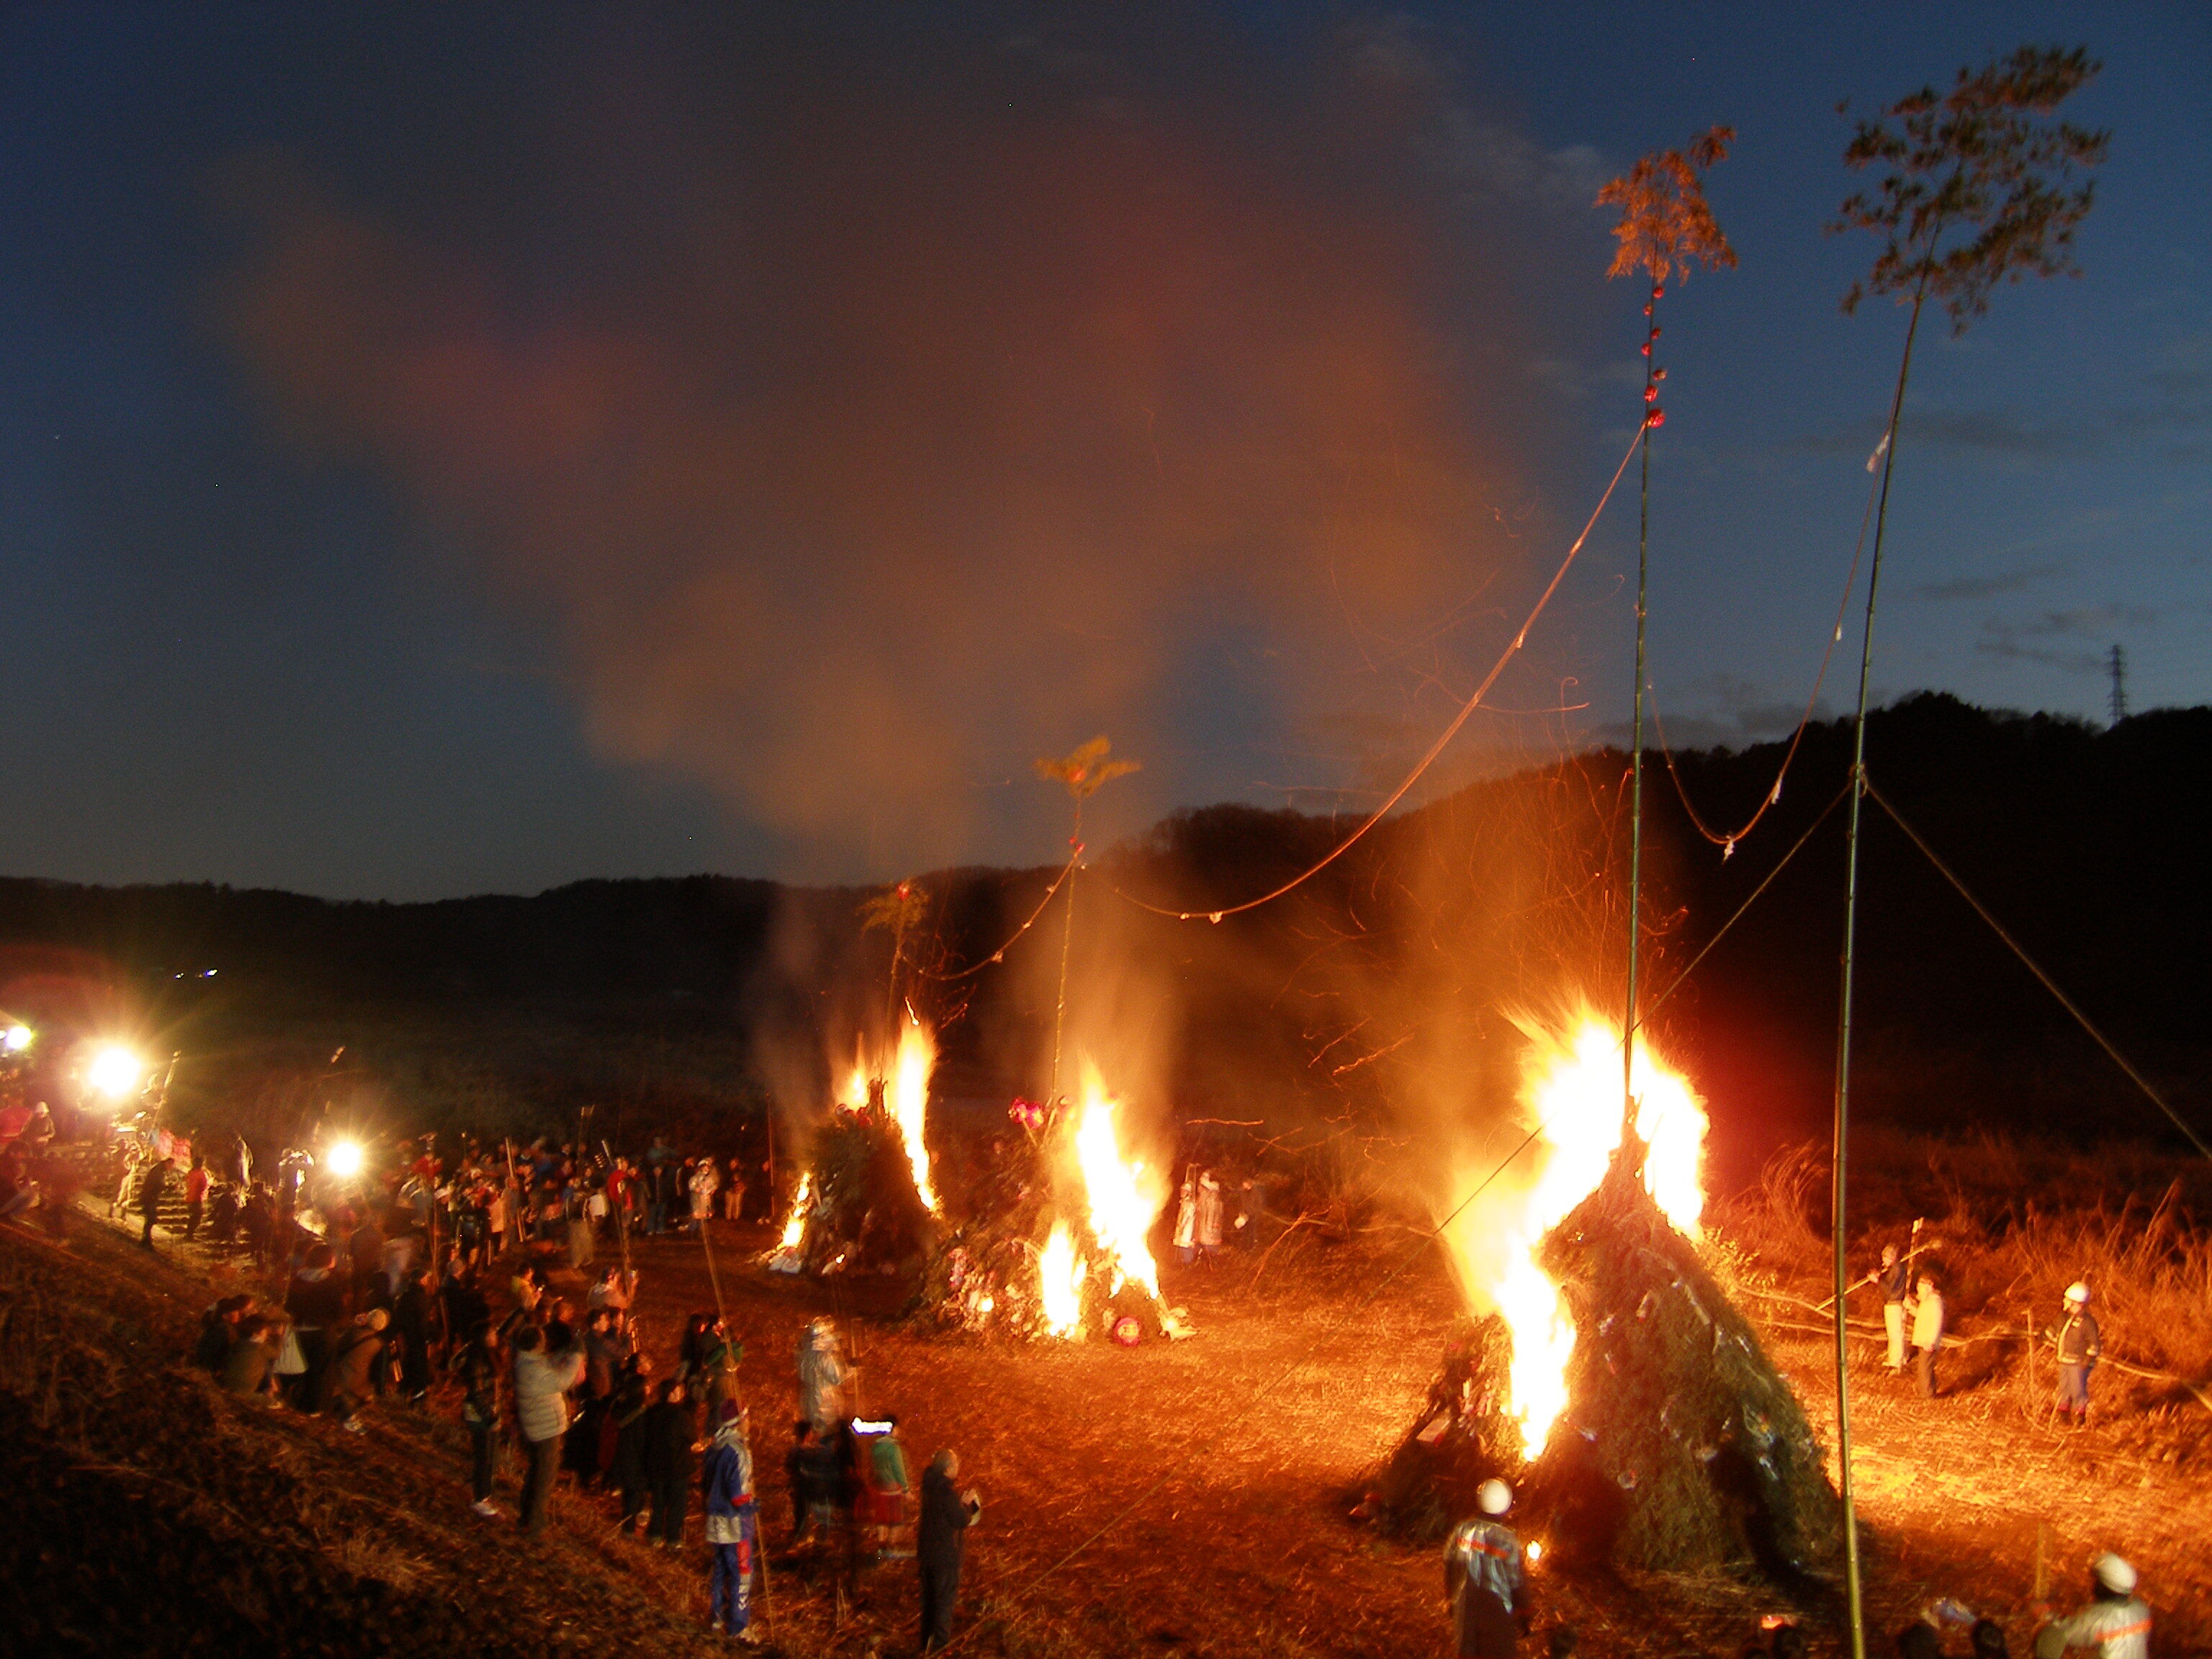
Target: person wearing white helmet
[(2114, 1623), (1485, 1579), (2080, 1346)]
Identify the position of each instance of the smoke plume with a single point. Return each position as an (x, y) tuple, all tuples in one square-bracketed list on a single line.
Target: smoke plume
[(857, 417)]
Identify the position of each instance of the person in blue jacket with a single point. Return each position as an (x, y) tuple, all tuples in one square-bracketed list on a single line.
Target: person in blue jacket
[(726, 1482)]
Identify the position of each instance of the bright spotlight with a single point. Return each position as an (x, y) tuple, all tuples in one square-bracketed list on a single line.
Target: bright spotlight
[(17, 1039), (115, 1072), (343, 1159)]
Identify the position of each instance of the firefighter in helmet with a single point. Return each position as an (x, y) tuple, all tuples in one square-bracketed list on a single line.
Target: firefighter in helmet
[(2080, 1346), (2114, 1623), (1485, 1578)]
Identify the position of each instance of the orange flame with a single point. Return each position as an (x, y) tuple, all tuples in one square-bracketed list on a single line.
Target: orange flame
[(1124, 1197), (802, 1205), (906, 1097), (1060, 1283), (1571, 1085)]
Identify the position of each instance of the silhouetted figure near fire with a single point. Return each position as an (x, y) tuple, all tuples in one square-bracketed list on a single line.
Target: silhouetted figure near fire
[(1485, 1578), (151, 1186), (947, 1515)]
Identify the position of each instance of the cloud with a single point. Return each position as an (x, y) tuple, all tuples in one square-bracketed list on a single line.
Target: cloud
[(2044, 639), (1484, 158), (1985, 587), (916, 413)]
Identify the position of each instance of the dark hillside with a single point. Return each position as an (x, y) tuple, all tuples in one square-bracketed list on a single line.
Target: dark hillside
[(1373, 988)]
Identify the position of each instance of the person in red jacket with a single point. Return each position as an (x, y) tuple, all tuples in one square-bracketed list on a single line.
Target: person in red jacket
[(196, 1186)]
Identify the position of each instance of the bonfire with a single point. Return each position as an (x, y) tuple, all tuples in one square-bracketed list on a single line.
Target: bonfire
[(1056, 1245), (865, 1203), (1606, 1374)]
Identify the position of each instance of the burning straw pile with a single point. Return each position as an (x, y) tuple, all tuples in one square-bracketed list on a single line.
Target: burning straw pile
[(859, 1208), (1055, 1244), (1681, 1447)]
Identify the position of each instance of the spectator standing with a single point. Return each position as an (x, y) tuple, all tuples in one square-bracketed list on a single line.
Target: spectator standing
[(726, 1485), (543, 1376), (1896, 1282), (1927, 1332), (316, 1300), (151, 1186), (947, 1515), (627, 1408), (477, 1372), (196, 1189), (667, 1456), (412, 1318)]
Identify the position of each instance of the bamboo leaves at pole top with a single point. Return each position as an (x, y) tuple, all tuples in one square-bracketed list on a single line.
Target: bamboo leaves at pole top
[(1666, 225), (900, 909), (1986, 158), (1981, 186)]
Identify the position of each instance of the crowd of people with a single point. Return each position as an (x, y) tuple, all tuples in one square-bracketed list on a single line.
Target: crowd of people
[(437, 1286)]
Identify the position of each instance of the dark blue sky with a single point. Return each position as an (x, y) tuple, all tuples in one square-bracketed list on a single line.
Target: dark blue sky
[(445, 451)]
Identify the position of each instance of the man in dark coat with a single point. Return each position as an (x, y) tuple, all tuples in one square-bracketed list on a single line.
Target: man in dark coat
[(151, 1186), (667, 1434), (627, 1408), (947, 1515)]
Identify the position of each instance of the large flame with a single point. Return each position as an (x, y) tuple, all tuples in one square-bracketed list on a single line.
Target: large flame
[(1572, 1086), (802, 1205), (1124, 1197), (905, 1097), (1060, 1282)]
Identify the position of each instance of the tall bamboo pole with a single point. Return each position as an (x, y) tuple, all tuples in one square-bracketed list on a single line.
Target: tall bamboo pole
[(1636, 742), (1838, 1206)]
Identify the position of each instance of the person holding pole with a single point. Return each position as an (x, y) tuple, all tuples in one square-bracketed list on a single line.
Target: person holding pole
[(1896, 1291)]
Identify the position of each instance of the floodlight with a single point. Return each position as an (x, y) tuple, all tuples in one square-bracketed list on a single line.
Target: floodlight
[(17, 1039), (114, 1071), (343, 1159)]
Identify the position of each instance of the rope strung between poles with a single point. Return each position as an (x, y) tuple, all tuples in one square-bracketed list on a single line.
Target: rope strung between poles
[(999, 954), (1727, 843), (1675, 983), (2049, 984), (1466, 711)]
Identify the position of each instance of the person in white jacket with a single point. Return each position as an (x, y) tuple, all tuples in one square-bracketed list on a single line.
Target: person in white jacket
[(542, 1381), (1927, 1331)]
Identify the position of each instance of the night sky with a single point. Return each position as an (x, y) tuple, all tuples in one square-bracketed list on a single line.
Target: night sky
[(459, 449)]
